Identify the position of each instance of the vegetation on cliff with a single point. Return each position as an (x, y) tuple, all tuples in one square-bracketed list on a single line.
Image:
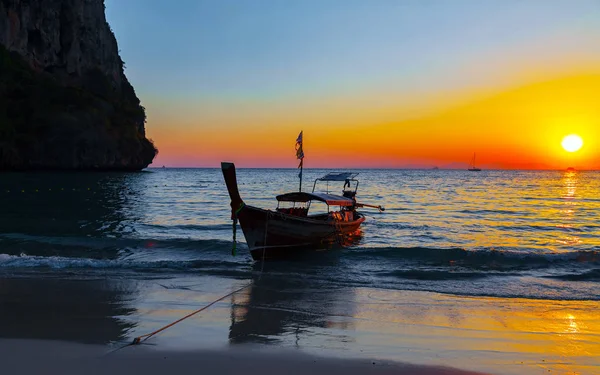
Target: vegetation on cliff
[(45, 124)]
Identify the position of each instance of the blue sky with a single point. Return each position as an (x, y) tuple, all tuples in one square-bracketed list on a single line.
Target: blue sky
[(273, 48)]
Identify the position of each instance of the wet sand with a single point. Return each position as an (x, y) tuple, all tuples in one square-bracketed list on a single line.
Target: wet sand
[(351, 326), (54, 357)]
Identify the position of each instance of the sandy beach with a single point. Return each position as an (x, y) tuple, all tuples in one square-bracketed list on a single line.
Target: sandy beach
[(53, 357), (349, 328)]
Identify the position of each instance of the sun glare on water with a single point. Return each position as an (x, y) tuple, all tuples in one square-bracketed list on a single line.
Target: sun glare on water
[(572, 143)]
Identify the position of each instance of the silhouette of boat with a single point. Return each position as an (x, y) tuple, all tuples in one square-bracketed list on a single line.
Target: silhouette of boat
[(472, 166), (290, 230)]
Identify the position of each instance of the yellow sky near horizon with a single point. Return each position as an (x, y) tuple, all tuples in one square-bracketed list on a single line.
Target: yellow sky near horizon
[(517, 127)]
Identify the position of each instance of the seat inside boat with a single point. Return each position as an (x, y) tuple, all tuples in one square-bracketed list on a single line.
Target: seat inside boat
[(343, 215), (294, 211)]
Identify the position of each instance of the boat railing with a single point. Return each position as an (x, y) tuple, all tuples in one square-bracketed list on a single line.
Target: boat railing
[(347, 177)]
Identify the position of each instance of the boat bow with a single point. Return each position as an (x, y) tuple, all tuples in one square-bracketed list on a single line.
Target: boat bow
[(232, 188)]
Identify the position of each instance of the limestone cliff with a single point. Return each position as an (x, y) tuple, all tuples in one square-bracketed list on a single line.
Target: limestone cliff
[(65, 102)]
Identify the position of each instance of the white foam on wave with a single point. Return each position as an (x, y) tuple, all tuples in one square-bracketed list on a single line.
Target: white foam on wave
[(56, 262)]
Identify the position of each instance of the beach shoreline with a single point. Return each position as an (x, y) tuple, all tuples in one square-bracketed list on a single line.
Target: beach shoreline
[(85, 319), (56, 357)]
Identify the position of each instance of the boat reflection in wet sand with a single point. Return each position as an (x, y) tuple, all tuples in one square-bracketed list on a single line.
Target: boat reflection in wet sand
[(288, 310), (290, 229)]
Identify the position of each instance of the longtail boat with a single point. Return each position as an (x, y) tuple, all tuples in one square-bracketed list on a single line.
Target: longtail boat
[(290, 229)]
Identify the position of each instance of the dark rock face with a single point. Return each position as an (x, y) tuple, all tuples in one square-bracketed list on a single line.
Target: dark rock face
[(65, 102)]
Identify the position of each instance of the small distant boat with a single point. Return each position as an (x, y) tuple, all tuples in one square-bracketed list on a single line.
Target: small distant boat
[(472, 166)]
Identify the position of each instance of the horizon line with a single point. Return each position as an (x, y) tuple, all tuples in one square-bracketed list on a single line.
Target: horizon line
[(394, 168)]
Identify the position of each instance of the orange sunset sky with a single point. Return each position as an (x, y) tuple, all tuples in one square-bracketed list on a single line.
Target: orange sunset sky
[(371, 84)]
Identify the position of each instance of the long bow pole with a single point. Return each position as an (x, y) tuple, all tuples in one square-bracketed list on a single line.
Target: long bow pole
[(300, 155)]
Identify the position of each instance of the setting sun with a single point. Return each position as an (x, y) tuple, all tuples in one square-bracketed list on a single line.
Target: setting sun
[(572, 143)]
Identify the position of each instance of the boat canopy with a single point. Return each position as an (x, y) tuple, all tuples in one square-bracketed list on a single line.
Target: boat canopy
[(330, 199), (338, 176)]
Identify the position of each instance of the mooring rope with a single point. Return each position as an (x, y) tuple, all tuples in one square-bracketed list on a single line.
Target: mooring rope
[(235, 220), (140, 339), (262, 266)]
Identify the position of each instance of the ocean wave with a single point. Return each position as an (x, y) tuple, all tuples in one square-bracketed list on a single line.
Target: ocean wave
[(401, 226), (591, 275), (191, 227), (541, 228), (59, 262), (434, 275), (494, 212), (481, 258), (92, 245)]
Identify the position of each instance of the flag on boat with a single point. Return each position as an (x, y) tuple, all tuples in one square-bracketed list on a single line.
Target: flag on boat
[(300, 155), (299, 152)]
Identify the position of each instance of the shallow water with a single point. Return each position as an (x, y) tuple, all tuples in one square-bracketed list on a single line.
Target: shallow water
[(109, 256), (493, 233)]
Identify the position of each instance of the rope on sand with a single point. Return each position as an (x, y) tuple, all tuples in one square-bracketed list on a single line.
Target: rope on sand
[(140, 339), (145, 337)]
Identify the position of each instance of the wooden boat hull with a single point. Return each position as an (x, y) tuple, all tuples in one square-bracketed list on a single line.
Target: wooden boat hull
[(272, 235)]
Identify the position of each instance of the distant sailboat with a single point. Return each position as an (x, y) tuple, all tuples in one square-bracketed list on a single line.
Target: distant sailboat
[(472, 166)]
